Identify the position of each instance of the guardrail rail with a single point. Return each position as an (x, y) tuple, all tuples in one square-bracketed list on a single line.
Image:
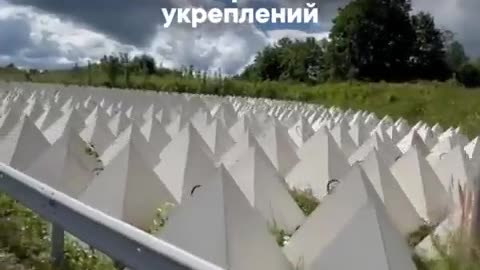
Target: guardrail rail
[(124, 243)]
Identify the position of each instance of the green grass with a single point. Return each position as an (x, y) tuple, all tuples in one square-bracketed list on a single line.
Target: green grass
[(455, 253), (25, 242), (305, 200)]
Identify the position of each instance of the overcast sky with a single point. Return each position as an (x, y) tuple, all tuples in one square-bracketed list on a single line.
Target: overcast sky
[(59, 33)]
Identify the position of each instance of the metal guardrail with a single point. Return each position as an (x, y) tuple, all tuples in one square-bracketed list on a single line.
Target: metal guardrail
[(124, 243)]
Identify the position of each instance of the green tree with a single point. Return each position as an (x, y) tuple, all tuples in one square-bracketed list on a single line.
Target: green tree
[(469, 75), (456, 56), (144, 64), (111, 66), (302, 60), (126, 65), (268, 63), (89, 73), (428, 61), (373, 37), (299, 60)]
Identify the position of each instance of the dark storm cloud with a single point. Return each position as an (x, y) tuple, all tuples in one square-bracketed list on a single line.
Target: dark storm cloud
[(14, 35), (129, 21), (17, 46), (230, 47), (135, 21)]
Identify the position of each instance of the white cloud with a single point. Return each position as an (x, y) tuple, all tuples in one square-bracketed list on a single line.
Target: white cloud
[(54, 41)]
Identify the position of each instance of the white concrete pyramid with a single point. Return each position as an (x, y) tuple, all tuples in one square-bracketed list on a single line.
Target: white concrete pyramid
[(52, 114), (455, 172), (422, 186), (22, 145), (358, 132), (185, 163), (238, 130), (157, 136), (118, 123), (218, 224), (68, 165), (398, 206), (321, 160), (235, 152), (217, 138), (386, 149), (279, 147), (301, 131), (428, 137), (128, 189), (473, 148), (97, 132), (343, 139), (350, 230), (69, 120), (393, 133), (226, 114), (266, 190), (412, 138), (10, 121)]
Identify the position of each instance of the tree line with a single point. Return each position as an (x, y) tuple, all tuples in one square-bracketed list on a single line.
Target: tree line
[(370, 40)]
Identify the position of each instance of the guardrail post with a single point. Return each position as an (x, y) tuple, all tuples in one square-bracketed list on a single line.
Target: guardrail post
[(58, 244)]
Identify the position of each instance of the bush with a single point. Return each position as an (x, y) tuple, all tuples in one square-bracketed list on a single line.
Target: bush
[(469, 76)]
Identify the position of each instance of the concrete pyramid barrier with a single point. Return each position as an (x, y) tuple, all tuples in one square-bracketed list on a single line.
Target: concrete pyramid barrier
[(156, 135), (217, 138), (279, 147), (455, 173), (69, 165), (387, 150), (218, 224), (398, 206), (134, 190), (146, 149), (96, 131), (422, 186), (22, 145), (69, 120), (473, 148), (266, 190), (321, 161), (343, 139), (301, 131), (185, 163), (131, 133), (351, 223), (413, 139)]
